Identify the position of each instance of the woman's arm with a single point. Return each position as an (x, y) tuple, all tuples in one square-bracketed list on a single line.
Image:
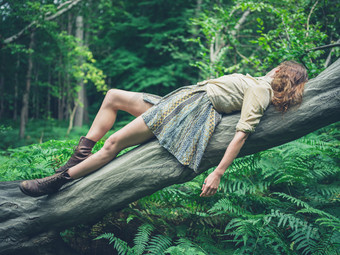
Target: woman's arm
[(213, 180)]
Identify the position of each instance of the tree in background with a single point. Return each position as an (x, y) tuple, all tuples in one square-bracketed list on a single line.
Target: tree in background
[(54, 49), (284, 200), (252, 36), (152, 46)]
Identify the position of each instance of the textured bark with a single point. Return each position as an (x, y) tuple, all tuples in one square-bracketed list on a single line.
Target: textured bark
[(80, 101), (2, 88), (27, 222), (25, 98)]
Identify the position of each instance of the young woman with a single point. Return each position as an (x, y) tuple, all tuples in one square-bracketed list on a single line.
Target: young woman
[(182, 121)]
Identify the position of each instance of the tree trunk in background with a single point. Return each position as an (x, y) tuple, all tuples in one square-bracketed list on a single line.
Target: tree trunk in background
[(27, 223), (86, 109), (36, 93), (2, 80), (16, 89), (86, 43), (68, 95), (25, 98), (48, 102), (79, 116), (61, 98), (219, 42)]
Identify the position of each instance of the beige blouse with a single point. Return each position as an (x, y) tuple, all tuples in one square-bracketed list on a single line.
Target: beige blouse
[(236, 92)]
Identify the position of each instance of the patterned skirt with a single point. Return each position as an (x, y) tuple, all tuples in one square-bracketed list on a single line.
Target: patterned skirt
[(183, 122)]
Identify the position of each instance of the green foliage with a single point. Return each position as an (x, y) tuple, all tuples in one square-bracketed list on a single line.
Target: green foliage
[(272, 32), (280, 201), (185, 246), (143, 242), (272, 202), (79, 62), (141, 44), (268, 201), (119, 245), (41, 159)]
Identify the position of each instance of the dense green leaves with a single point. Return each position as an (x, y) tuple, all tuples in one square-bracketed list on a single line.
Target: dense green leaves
[(282, 201), (153, 46), (256, 209), (232, 39)]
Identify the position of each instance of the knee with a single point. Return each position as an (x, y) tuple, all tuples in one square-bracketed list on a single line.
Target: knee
[(110, 148), (112, 98)]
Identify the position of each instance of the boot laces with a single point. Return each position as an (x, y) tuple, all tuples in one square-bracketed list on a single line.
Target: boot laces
[(50, 181)]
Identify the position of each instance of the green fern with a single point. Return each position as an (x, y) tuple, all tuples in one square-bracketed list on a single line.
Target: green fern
[(121, 247), (327, 219), (158, 244), (224, 206), (293, 200), (143, 242), (142, 238), (243, 229), (267, 192), (187, 247)]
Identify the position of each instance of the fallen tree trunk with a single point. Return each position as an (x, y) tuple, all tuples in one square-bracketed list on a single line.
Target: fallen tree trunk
[(29, 223)]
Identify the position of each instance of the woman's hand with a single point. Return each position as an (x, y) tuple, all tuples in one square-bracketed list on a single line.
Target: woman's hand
[(210, 185)]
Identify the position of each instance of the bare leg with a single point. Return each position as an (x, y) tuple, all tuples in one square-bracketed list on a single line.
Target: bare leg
[(115, 99), (134, 133)]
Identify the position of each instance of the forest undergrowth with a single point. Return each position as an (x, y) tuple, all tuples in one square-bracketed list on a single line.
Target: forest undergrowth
[(284, 200)]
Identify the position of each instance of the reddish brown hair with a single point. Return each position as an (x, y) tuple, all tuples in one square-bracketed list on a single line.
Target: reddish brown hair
[(288, 85)]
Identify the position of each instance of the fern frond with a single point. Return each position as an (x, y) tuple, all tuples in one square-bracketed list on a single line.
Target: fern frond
[(294, 200), (328, 190), (328, 244), (243, 229), (328, 219), (242, 187), (183, 242), (224, 206), (294, 223), (315, 196), (158, 244), (187, 247), (108, 236), (121, 246), (142, 238), (172, 194), (299, 238), (245, 165), (331, 223)]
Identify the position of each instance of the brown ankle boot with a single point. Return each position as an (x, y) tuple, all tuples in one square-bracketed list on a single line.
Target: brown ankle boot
[(44, 186), (82, 151)]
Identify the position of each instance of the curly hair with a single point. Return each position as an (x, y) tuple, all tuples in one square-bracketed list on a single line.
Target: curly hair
[(288, 85)]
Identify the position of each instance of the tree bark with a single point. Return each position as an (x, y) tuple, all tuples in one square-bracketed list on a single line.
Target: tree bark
[(79, 117), (2, 87), (16, 88), (25, 98), (61, 98), (48, 100), (26, 221)]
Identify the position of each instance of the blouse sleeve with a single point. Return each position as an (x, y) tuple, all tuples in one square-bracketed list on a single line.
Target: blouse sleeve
[(255, 102)]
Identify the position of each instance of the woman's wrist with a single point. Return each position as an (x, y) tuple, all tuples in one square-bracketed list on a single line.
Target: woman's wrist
[(219, 172)]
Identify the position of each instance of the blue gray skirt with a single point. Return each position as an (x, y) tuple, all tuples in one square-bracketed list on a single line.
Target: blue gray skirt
[(183, 122)]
